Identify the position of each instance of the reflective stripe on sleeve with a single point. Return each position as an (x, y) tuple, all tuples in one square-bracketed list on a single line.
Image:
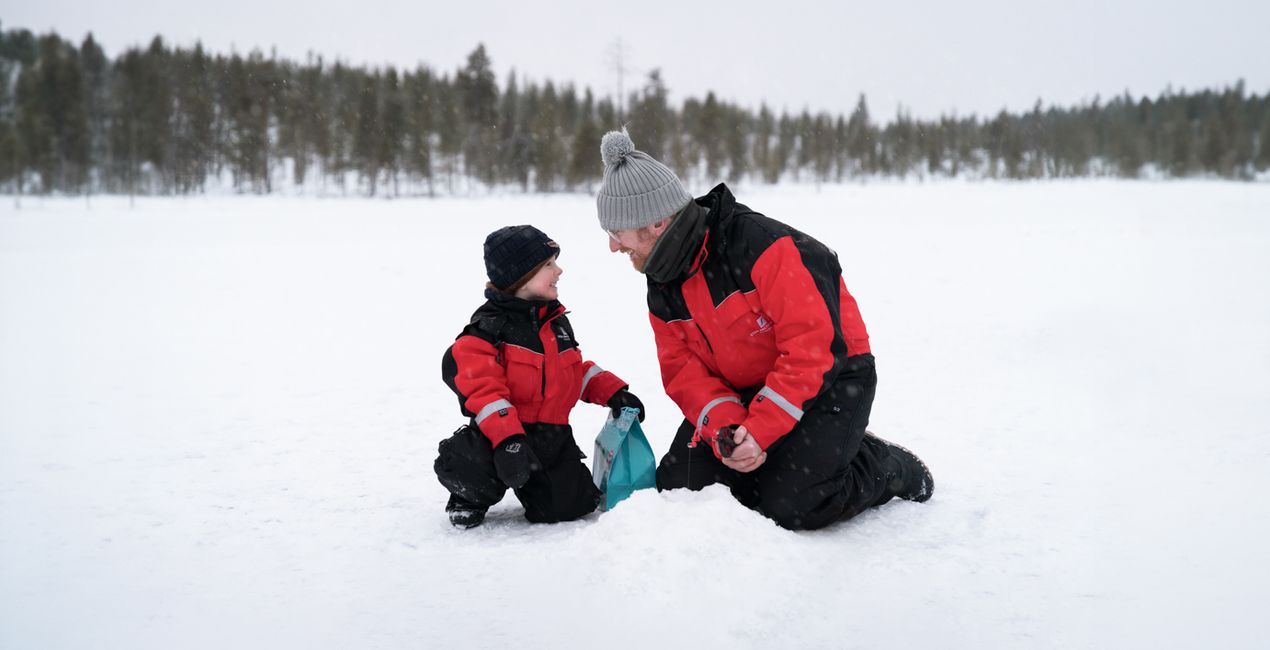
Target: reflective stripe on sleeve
[(492, 408), (586, 379), (701, 419), (779, 400)]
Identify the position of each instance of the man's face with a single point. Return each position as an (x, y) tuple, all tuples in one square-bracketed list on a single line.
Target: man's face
[(637, 244)]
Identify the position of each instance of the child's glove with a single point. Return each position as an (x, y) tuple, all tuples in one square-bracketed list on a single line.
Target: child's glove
[(514, 460), (623, 398)]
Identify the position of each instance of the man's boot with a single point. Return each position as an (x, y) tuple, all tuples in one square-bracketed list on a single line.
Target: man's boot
[(463, 514), (909, 478)]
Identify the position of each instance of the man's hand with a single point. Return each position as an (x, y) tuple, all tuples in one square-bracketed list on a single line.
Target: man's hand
[(747, 456)]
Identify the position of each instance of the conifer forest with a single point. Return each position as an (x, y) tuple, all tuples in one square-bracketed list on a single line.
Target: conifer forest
[(163, 120)]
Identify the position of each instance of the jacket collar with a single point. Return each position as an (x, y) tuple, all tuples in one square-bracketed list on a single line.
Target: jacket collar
[(682, 249), (538, 310)]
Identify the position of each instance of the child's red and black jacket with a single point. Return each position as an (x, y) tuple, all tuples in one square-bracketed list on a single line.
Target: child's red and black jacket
[(517, 362)]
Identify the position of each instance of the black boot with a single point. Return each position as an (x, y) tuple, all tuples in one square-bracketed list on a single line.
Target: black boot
[(910, 479), (463, 514)]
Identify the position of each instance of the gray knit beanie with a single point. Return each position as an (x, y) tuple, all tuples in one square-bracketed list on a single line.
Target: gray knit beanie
[(636, 190)]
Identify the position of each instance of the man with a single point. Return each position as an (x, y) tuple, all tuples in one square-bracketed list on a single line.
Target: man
[(760, 346)]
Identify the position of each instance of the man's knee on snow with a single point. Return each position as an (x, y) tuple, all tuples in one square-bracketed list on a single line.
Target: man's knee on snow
[(807, 509)]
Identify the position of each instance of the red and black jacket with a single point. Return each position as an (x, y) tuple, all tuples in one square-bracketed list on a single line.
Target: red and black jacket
[(516, 363), (755, 305)]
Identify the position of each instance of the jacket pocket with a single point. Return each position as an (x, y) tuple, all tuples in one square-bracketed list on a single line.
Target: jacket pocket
[(745, 324), (568, 386), (524, 374)]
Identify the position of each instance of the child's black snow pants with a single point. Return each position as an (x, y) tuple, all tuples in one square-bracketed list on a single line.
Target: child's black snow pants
[(823, 471), (561, 491)]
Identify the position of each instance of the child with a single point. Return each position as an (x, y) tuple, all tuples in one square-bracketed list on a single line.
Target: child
[(518, 372)]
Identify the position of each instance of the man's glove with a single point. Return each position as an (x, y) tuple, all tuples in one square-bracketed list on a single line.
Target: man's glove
[(623, 398), (514, 460)]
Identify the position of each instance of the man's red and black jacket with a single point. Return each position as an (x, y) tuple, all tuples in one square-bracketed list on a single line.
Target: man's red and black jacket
[(757, 305)]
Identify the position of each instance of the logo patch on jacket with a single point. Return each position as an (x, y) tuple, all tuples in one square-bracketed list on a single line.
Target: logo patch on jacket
[(763, 323)]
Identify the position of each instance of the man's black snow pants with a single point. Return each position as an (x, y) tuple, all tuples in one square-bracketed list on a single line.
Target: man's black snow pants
[(823, 471), (561, 490)]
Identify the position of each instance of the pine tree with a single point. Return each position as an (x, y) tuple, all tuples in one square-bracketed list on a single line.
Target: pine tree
[(691, 146), (861, 139), (649, 117), (527, 140), (420, 125), (515, 138), (709, 136), (368, 131), (569, 111), (805, 152), (52, 118), (549, 149), (288, 119), (247, 87), (346, 89), (735, 136), (315, 94), (823, 146), (17, 51), (96, 69), (764, 134), (1263, 142), (786, 141), (193, 116), (478, 94), (153, 87), (1235, 121), (840, 160), (449, 128), (392, 128), (584, 153)]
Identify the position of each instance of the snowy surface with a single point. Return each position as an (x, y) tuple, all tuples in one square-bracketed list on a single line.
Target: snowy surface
[(218, 419)]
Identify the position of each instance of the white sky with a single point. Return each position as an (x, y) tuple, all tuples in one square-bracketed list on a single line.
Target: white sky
[(970, 56)]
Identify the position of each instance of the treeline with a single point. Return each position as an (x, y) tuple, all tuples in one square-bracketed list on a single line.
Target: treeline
[(164, 120)]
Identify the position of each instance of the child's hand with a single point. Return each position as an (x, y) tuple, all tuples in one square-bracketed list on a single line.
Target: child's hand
[(514, 460), (623, 398)]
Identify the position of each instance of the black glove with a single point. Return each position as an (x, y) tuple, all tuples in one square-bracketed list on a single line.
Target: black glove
[(514, 460), (725, 441), (623, 398)]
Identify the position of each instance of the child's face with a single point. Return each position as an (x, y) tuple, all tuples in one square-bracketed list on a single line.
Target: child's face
[(543, 285)]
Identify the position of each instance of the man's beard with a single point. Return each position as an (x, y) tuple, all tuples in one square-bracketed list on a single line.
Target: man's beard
[(638, 261)]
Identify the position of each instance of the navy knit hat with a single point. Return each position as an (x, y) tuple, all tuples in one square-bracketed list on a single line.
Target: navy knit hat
[(512, 253)]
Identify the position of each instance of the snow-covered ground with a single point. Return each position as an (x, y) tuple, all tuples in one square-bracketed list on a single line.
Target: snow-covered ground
[(218, 419)]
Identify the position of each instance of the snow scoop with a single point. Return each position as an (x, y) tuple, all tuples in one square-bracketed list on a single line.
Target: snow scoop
[(623, 461)]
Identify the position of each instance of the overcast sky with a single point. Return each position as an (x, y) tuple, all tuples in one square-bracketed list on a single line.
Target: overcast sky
[(969, 56)]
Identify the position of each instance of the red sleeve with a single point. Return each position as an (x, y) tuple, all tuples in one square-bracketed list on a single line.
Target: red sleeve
[(598, 384), (481, 383), (704, 398), (804, 337)]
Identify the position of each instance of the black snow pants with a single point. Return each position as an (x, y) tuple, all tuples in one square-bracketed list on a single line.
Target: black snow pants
[(562, 490), (824, 470)]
